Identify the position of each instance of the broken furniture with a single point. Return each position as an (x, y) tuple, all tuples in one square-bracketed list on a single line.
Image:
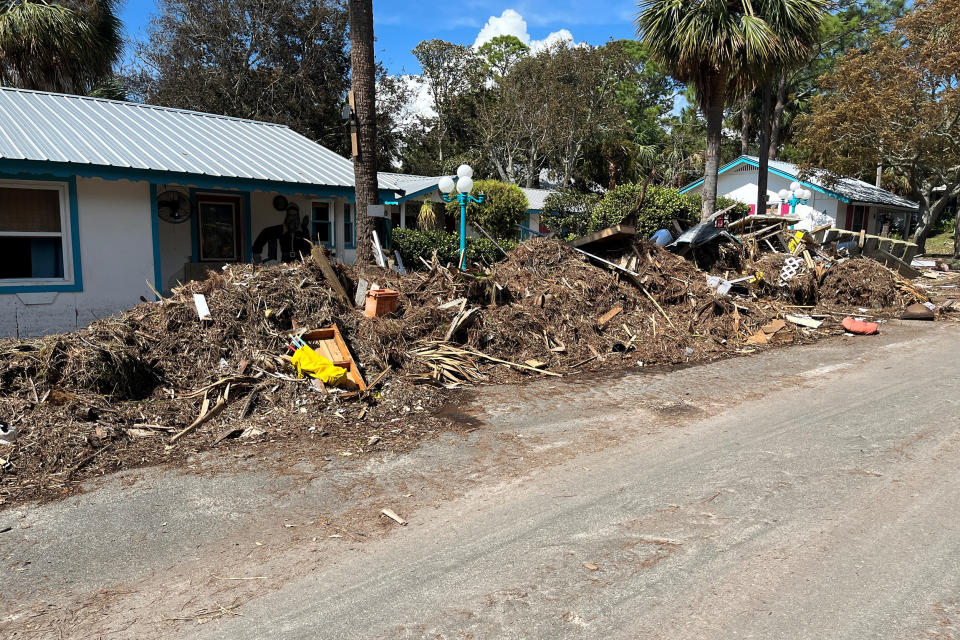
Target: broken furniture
[(328, 343)]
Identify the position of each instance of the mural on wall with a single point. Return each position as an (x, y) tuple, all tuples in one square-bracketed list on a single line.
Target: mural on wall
[(284, 242)]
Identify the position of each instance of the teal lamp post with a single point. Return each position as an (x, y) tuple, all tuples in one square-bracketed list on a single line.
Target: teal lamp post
[(794, 196), (464, 186)]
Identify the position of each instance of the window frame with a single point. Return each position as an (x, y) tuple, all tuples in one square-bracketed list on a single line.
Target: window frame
[(236, 215), (350, 217), (71, 280), (331, 222)]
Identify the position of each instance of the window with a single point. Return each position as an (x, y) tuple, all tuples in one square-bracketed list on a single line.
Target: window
[(218, 223), (349, 227), (322, 220), (35, 243)]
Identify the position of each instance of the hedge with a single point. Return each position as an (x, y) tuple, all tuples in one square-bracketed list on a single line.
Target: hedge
[(504, 205), (413, 243)]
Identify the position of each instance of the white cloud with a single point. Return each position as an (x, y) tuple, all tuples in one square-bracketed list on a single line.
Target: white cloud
[(511, 23), (563, 36), (420, 103)]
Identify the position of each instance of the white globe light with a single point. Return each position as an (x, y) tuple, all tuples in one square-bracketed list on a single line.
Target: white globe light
[(805, 195), (465, 184), (464, 171), (794, 186), (784, 194), (445, 184)]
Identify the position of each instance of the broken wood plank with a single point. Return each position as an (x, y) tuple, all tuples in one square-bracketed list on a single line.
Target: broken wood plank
[(609, 315), (393, 516), (610, 234), (659, 308), (894, 263), (320, 259)]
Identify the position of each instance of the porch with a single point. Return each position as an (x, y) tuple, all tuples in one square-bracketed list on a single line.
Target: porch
[(222, 226)]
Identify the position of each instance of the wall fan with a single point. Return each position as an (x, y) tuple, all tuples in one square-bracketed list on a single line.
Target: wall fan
[(173, 207)]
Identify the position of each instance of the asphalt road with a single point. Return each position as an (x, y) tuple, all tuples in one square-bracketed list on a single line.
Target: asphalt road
[(810, 492)]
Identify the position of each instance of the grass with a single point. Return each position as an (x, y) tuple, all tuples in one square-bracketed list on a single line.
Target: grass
[(941, 244)]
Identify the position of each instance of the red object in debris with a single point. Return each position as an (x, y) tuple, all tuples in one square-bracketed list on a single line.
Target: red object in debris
[(860, 327), (380, 302)]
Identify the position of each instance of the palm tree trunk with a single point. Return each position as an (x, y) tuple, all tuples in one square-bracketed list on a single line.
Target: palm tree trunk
[(364, 94), (777, 121), (745, 126), (762, 173), (714, 113)]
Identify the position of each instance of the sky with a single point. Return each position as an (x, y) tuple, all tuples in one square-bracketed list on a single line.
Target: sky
[(399, 25)]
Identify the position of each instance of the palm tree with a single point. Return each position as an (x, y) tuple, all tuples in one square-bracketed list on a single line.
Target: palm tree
[(65, 47), (363, 70), (721, 48)]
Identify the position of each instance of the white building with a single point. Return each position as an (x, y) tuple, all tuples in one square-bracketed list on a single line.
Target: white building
[(849, 203), (88, 190), (416, 190)]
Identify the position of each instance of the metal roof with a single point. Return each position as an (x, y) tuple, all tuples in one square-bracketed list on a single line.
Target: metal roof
[(536, 198), (53, 127), (409, 184), (850, 188), (413, 184)]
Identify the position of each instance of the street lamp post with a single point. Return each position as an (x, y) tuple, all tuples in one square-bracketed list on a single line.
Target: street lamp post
[(464, 186), (794, 196)]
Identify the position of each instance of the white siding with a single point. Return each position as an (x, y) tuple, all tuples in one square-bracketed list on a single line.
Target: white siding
[(742, 186), (116, 250)]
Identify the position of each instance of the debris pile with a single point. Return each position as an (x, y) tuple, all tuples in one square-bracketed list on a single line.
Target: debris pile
[(860, 282), (211, 365)]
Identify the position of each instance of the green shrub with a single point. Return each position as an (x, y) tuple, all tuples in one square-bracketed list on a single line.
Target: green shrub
[(483, 251), (412, 243), (567, 212), (659, 207), (739, 211), (504, 206)]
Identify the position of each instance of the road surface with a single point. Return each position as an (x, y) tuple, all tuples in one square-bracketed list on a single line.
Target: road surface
[(810, 492)]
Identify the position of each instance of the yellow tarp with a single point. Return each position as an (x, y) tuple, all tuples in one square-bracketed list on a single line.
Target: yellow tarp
[(308, 361)]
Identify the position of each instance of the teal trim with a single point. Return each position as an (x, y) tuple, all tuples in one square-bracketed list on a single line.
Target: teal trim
[(195, 222), (248, 228), (778, 172), (155, 231), (77, 284), (330, 223), (64, 170), (383, 194)]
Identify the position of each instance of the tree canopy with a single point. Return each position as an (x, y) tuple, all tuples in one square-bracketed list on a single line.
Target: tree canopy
[(67, 47), (284, 61), (895, 104), (723, 50)]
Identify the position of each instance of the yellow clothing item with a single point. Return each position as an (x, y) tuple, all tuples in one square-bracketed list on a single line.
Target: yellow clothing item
[(307, 360)]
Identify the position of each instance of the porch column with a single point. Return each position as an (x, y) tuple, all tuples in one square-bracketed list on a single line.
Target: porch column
[(403, 214), (907, 219)]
